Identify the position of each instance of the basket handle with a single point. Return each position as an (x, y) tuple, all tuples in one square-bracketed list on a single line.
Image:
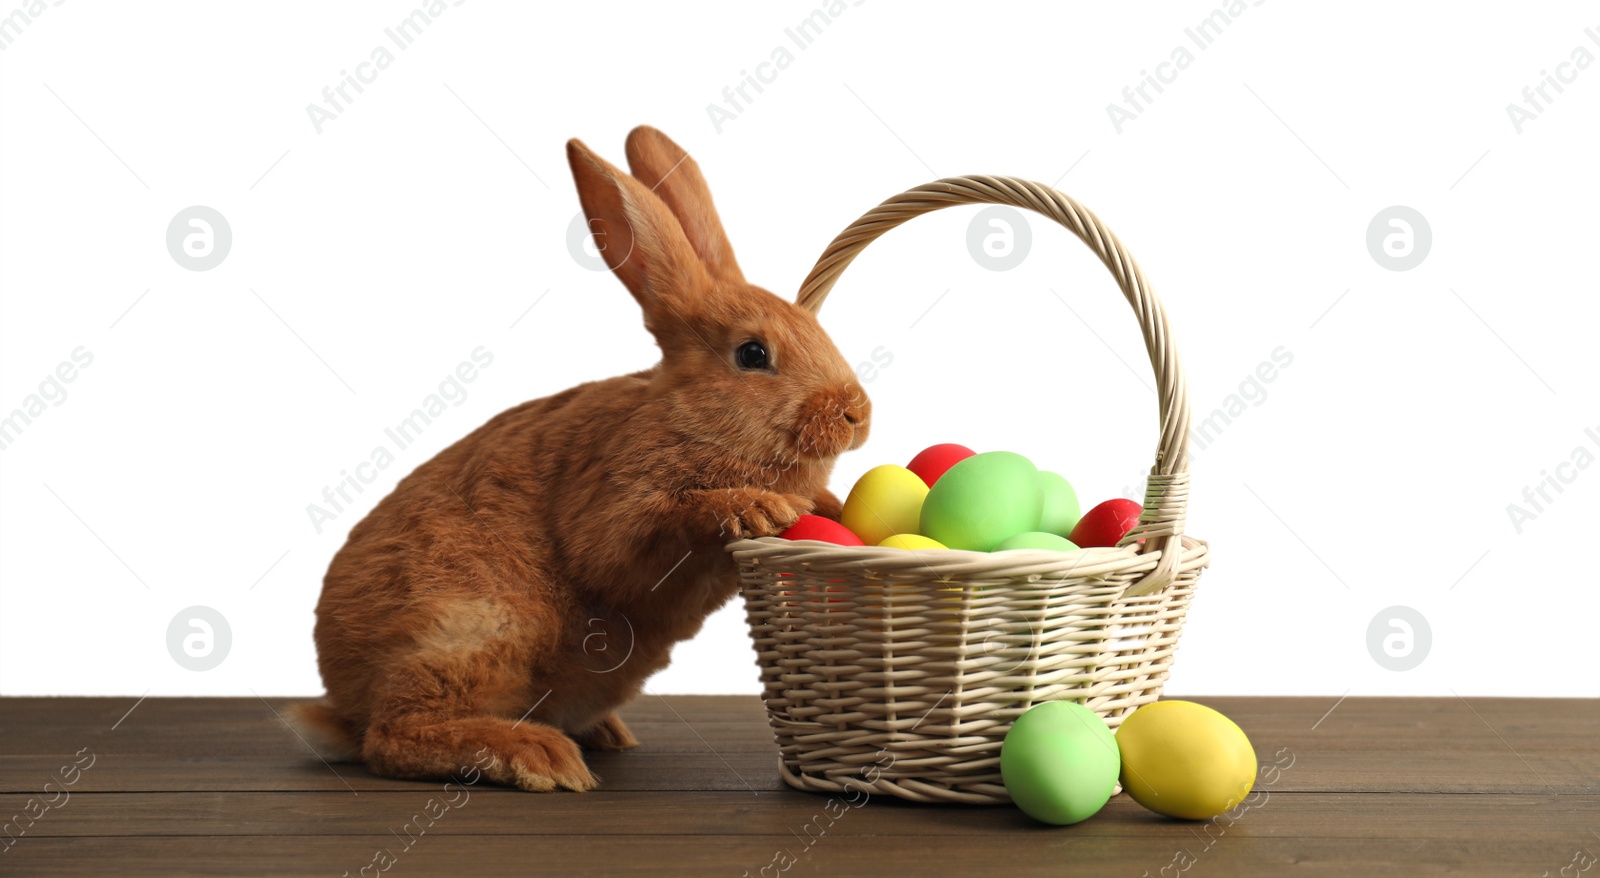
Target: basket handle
[(1167, 491)]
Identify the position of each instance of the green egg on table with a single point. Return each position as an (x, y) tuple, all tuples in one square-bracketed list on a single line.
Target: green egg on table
[(1185, 760), (885, 501), (1059, 513), (1059, 762), (1035, 539), (982, 500)]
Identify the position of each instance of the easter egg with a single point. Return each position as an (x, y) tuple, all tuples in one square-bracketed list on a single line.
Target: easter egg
[(982, 500), (1185, 760), (1036, 539), (911, 541), (815, 527), (932, 462), (885, 501), (1059, 514), (1106, 524), (1059, 762)]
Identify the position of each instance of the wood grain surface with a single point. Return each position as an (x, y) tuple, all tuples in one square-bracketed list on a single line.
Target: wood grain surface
[(220, 786)]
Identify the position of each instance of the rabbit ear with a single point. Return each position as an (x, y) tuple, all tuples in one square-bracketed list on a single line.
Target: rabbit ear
[(673, 175), (636, 234)]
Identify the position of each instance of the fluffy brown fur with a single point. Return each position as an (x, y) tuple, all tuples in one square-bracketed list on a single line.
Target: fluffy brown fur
[(516, 589)]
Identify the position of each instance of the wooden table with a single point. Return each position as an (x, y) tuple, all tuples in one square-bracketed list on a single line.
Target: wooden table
[(220, 786)]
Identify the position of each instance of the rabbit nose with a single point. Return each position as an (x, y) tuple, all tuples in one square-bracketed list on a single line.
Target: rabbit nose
[(858, 414), (856, 408)]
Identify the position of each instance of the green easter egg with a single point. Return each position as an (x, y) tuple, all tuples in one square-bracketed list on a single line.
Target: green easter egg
[(1060, 514), (982, 500), (1060, 762), (1036, 539)]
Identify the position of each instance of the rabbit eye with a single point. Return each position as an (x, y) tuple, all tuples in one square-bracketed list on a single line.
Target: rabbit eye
[(751, 355)]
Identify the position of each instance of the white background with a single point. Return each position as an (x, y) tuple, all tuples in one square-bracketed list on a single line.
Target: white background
[(369, 259)]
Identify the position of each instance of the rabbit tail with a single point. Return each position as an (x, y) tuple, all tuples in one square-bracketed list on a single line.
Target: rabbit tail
[(317, 724)]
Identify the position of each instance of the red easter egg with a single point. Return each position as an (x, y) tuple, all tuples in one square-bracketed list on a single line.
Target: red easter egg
[(815, 527), (931, 462), (1106, 524)]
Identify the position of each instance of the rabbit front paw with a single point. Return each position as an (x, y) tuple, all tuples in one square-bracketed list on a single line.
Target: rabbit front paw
[(747, 513)]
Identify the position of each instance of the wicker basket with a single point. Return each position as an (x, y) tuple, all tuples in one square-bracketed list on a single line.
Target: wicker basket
[(899, 672)]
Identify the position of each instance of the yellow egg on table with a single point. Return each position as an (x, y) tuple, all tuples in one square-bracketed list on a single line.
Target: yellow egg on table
[(885, 501), (1185, 760), (911, 541)]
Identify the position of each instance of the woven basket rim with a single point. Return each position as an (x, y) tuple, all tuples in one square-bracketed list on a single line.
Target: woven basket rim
[(951, 566)]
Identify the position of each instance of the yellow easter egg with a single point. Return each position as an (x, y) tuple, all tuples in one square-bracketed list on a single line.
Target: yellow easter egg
[(1185, 760), (911, 541), (885, 501)]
